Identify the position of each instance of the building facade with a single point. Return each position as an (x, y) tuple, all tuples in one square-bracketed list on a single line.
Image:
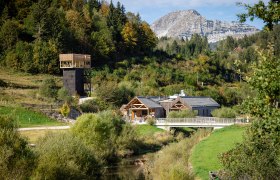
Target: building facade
[(140, 108)]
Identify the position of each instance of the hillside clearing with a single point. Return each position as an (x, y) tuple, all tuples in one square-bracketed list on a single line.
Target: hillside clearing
[(23, 87)]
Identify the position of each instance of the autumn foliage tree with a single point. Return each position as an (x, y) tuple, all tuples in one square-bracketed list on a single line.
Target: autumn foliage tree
[(138, 36)]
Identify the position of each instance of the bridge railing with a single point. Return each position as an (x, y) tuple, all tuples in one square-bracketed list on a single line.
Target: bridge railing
[(202, 120)]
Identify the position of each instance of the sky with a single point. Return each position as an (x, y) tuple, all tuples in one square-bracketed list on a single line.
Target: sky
[(225, 10)]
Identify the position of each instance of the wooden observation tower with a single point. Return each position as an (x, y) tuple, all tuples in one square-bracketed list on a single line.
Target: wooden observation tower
[(75, 76)]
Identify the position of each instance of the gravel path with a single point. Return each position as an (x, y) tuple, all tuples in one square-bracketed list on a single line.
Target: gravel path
[(44, 128)]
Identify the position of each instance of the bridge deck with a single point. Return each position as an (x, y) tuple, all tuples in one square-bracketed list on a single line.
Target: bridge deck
[(167, 123), (197, 122)]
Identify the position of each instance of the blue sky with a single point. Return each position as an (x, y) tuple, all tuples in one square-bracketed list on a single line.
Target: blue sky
[(151, 10)]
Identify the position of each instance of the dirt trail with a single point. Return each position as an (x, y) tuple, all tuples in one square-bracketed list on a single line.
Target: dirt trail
[(44, 128)]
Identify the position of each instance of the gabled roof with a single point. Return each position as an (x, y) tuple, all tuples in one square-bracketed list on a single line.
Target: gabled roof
[(200, 101), (149, 102), (163, 102)]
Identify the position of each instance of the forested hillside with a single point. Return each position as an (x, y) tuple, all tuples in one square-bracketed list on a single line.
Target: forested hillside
[(127, 57), (34, 32), (190, 65)]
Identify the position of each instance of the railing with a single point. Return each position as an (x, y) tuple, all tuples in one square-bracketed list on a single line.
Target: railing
[(200, 120)]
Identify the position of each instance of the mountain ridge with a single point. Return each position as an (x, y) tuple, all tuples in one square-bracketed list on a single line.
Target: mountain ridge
[(185, 23)]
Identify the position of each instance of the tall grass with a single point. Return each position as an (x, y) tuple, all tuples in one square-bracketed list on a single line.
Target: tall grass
[(172, 162)]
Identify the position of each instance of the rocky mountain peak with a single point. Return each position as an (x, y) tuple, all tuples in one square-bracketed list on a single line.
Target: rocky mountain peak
[(193, 11), (188, 22)]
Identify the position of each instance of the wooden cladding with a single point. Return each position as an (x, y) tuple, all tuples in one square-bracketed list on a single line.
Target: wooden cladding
[(75, 61)]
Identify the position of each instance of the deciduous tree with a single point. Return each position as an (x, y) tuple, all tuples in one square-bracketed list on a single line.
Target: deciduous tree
[(269, 13)]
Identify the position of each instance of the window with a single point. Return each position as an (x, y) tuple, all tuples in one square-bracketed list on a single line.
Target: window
[(144, 113)]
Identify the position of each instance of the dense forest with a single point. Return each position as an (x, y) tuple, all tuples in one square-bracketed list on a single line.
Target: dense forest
[(35, 32), (127, 57)]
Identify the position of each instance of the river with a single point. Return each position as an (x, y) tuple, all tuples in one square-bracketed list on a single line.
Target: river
[(129, 168)]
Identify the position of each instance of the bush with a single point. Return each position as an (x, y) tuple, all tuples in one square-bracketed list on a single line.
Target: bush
[(90, 106), (48, 88), (151, 121), (16, 158), (114, 94), (65, 110), (63, 95), (62, 156), (257, 157), (163, 138), (224, 112), (101, 132), (182, 114), (126, 141)]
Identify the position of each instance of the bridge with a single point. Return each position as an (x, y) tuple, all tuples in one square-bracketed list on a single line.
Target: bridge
[(213, 122)]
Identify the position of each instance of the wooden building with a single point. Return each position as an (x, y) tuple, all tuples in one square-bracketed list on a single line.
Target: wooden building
[(203, 105), (139, 108), (74, 75)]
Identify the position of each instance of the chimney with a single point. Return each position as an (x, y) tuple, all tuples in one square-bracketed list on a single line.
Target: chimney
[(182, 93)]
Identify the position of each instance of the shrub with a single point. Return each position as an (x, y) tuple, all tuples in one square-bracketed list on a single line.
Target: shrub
[(163, 138), (76, 99), (65, 110), (224, 112), (151, 121), (231, 96), (99, 131), (257, 157), (63, 95), (180, 136), (182, 114), (62, 156), (90, 106), (114, 94), (126, 141), (16, 159), (48, 88)]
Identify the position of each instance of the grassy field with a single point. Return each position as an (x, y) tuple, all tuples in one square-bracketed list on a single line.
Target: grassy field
[(205, 154), (33, 136), (28, 118), (23, 87), (147, 130)]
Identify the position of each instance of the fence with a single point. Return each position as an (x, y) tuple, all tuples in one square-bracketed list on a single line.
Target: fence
[(41, 107), (201, 120)]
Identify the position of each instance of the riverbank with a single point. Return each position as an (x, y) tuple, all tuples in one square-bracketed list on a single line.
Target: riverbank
[(173, 160)]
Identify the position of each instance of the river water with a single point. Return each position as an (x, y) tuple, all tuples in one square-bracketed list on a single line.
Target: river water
[(129, 168)]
